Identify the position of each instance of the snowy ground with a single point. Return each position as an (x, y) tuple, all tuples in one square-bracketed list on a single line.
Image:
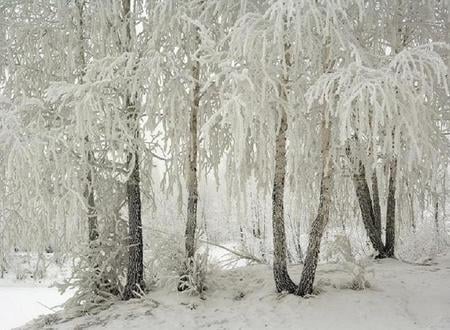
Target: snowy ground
[(22, 300), (402, 296), (20, 304)]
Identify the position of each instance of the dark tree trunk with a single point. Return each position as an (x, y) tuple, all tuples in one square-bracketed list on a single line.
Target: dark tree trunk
[(376, 203), (411, 208), (436, 216), (390, 211), (367, 210), (135, 271), (370, 213), (305, 286), (399, 43), (280, 273), (283, 282)]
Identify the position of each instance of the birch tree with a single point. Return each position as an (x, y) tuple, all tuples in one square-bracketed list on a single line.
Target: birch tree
[(189, 44), (394, 85), (392, 27), (274, 82)]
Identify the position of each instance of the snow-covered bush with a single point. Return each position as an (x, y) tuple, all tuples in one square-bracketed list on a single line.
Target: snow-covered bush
[(359, 270), (166, 265), (340, 250), (40, 268), (421, 246), (98, 275), (25, 265), (193, 278), (164, 259), (21, 272)]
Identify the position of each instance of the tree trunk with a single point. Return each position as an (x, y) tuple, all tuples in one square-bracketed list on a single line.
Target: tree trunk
[(436, 217), (390, 211), (318, 226), (280, 273), (135, 271), (370, 211), (367, 210), (89, 196), (444, 187), (400, 43), (192, 177), (376, 203), (88, 193), (192, 180), (412, 215)]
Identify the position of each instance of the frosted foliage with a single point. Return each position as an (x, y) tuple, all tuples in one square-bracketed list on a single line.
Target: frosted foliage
[(33, 168), (194, 33), (86, 91), (275, 59)]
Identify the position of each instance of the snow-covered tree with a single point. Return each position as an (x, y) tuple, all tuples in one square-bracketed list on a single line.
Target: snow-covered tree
[(188, 44), (391, 27), (311, 112)]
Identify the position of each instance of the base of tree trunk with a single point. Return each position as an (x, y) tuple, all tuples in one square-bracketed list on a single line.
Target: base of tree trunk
[(390, 254), (131, 290), (381, 256), (182, 281), (283, 282)]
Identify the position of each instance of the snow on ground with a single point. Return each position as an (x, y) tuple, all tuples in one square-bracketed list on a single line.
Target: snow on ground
[(20, 304), (22, 300), (401, 296)]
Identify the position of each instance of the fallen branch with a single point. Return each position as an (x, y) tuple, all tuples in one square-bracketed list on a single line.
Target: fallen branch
[(237, 253), (49, 308)]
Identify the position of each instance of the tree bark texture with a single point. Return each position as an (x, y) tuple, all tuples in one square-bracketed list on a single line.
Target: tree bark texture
[(305, 286), (367, 210), (89, 197), (280, 273), (135, 270), (376, 203), (390, 211), (192, 178), (191, 222)]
